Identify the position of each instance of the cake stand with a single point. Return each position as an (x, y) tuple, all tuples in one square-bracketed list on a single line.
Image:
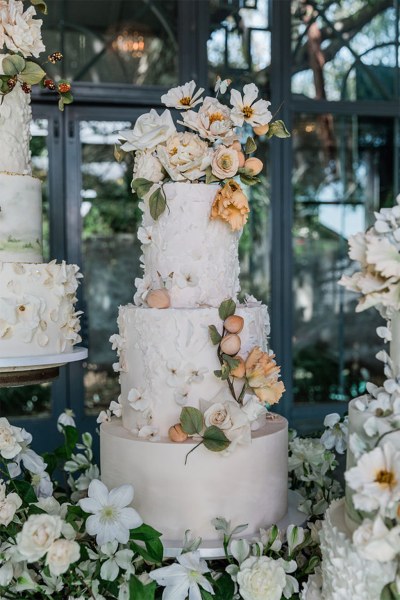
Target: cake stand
[(214, 549), (29, 370)]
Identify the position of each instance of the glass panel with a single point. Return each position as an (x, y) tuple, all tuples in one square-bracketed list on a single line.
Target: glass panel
[(239, 43), (121, 41), (343, 172), (33, 400), (110, 253), (345, 50)]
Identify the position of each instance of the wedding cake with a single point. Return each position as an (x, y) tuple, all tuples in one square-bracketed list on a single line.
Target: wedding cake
[(37, 300), (193, 434), (360, 538)]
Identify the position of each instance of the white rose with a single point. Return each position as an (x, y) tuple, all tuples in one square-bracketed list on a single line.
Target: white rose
[(150, 130), (61, 554), (37, 535), (148, 167), (233, 419), (9, 439), (217, 415), (225, 162), (19, 31), (8, 508), (375, 541), (185, 156), (261, 579)]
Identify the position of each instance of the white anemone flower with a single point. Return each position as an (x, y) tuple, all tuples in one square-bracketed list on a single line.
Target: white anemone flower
[(376, 479), (183, 97), (247, 110), (111, 517), (184, 579)]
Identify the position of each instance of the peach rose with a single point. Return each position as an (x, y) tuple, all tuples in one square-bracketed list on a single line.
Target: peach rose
[(262, 374), (225, 162), (231, 205)]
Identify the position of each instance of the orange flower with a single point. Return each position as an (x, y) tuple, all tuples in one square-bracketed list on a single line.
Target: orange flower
[(231, 205), (262, 375)]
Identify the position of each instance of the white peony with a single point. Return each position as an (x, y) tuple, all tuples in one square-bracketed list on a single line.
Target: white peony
[(375, 541), (213, 122), (61, 554), (147, 166), (19, 30), (10, 439), (185, 157), (150, 130), (183, 580), (261, 578), (9, 504), (183, 96), (37, 535), (247, 110)]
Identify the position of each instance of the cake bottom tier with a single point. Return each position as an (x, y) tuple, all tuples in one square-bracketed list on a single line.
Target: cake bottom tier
[(346, 574), (247, 486)]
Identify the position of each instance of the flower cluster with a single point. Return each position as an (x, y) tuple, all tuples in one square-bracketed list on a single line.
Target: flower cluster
[(209, 149)]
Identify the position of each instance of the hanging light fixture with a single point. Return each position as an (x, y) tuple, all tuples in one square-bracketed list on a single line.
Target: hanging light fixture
[(129, 43)]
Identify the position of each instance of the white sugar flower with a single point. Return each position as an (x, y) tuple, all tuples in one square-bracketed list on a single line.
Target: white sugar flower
[(195, 374), (116, 408), (186, 278), (184, 578), (335, 434), (175, 375), (65, 419), (225, 413), (385, 256), (247, 110), (185, 156), (375, 541), (61, 554), (150, 130), (145, 234), (19, 30), (147, 166), (181, 395), (212, 122), (37, 535), (104, 417), (376, 479), (9, 504), (10, 439), (148, 432), (263, 578), (111, 518), (183, 97), (117, 559), (143, 287), (138, 399)]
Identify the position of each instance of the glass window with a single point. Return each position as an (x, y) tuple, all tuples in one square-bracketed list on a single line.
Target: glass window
[(345, 50), (119, 41), (343, 172)]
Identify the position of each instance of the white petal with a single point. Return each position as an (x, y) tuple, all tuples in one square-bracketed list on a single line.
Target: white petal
[(121, 496), (130, 518), (109, 570), (93, 526), (98, 491), (90, 505)]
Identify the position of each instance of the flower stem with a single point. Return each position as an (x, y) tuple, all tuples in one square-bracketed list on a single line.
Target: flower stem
[(380, 438), (192, 450)]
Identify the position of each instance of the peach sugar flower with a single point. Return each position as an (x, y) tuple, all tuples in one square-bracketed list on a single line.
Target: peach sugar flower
[(231, 205), (262, 374)]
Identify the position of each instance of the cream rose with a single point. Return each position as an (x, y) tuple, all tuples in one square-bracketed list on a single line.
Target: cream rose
[(225, 162), (148, 167), (261, 579), (61, 554), (8, 507), (225, 413), (9, 439), (19, 30), (38, 533), (185, 157), (218, 415), (150, 130)]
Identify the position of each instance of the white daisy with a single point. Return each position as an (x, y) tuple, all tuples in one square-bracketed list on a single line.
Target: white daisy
[(183, 96), (247, 110), (185, 578), (111, 518)]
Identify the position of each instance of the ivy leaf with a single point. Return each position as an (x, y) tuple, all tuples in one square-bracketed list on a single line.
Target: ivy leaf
[(227, 309), (141, 186), (250, 146), (40, 5), (139, 591), (157, 203), (214, 439), (191, 420), (231, 362), (12, 65), (32, 73), (210, 177), (214, 335), (278, 129)]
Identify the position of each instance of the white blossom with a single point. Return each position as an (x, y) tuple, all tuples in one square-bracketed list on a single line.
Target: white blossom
[(19, 30), (183, 97), (184, 578), (247, 110)]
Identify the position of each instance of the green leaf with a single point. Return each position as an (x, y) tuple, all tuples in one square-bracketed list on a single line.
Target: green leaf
[(139, 591), (225, 372), (67, 97), (231, 362), (278, 129), (32, 73), (157, 203), (218, 373), (40, 5), (249, 179), (61, 104), (312, 564), (214, 335), (71, 438), (25, 491), (148, 553), (144, 533), (250, 146), (191, 420), (141, 186), (214, 439), (227, 309), (210, 177), (12, 65), (207, 596)]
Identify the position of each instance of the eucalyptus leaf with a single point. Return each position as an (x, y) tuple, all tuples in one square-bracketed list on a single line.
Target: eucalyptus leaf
[(278, 129), (32, 73), (12, 65), (40, 5), (157, 203), (214, 335), (191, 420), (250, 146), (142, 186), (214, 439), (227, 308)]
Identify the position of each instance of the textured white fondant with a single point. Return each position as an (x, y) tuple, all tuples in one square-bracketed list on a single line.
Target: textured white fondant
[(153, 343), (202, 254), (37, 314), (395, 343), (15, 119), (248, 486), (20, 219), (346, 574)]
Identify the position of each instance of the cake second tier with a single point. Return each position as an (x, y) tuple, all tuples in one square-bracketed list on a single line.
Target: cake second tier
[(167, 360)]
